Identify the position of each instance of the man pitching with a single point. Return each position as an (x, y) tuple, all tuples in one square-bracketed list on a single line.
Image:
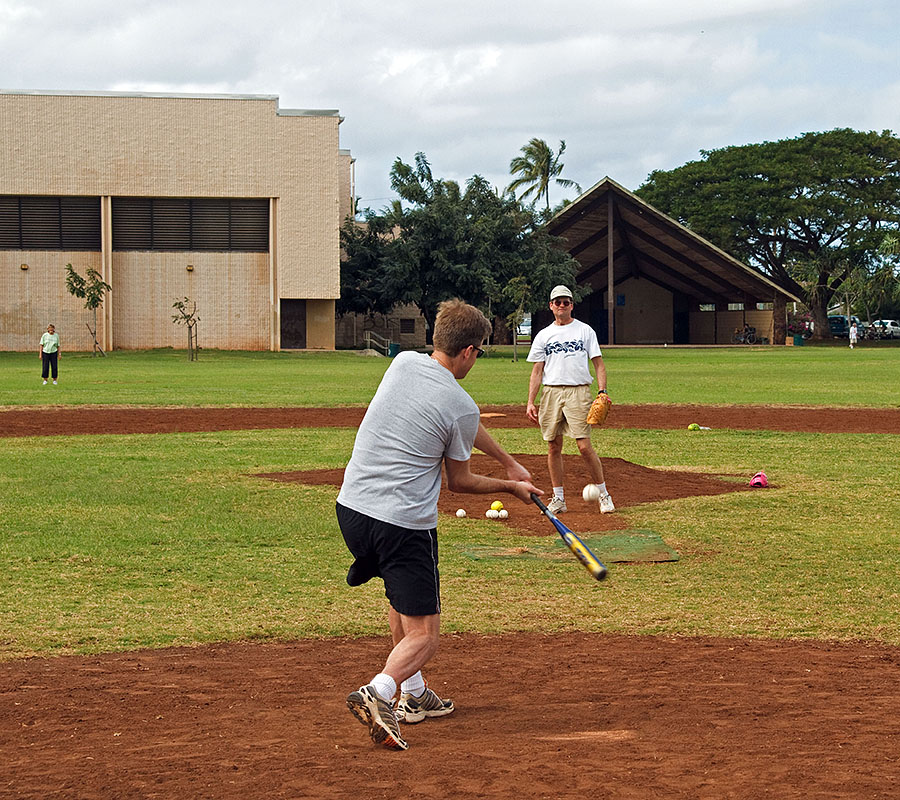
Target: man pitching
[(419, 420), (560, 353)]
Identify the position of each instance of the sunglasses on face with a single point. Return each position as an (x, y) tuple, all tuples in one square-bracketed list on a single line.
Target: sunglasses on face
[(479, 351), (564, 302)]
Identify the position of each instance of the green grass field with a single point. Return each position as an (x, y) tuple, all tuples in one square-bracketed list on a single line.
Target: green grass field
[(120, 542), (867, 376)]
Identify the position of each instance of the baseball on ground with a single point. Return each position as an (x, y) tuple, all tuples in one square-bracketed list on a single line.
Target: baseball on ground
[(591, 493), (503, 513), (460, 512)]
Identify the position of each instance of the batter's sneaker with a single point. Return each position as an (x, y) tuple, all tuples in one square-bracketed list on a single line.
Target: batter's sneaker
[(378, 716), (557, 505), (414, 709), (606, 504)]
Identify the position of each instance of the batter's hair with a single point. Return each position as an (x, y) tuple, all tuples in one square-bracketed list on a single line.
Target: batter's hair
[(457, 326)]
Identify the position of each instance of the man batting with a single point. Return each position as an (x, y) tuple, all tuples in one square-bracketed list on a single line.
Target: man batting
[(561, 353), (419, 420)]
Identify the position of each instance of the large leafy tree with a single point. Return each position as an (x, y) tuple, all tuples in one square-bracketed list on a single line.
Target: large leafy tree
[(537, 168), (441, 241), (810, 211)]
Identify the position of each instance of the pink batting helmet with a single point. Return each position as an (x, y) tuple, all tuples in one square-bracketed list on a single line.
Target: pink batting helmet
[(759, 481)]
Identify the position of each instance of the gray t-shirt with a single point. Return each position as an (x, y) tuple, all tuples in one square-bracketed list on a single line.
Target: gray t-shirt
[(419, 415)]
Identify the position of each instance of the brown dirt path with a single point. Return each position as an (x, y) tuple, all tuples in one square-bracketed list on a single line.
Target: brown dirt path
[(564, 716), (114, 419)]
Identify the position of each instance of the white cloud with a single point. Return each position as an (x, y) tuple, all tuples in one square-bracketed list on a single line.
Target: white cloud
[(631, 85)]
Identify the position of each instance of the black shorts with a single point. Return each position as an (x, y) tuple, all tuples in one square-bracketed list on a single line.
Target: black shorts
[(406, 560)]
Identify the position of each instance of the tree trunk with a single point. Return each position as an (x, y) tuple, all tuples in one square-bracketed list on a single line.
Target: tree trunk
[(502, 333), (429, 324), (821, 330)]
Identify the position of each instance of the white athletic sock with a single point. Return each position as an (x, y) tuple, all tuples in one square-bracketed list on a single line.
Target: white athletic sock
[(603, 489), (385, 685), (414, 684), (559, 492)]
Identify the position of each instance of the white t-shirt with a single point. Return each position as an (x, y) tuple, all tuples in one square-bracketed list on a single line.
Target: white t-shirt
[(565, 351), (419, 415)]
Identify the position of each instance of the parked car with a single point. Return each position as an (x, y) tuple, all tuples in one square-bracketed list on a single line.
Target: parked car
[(887, 328), (839, 325), (524, 330)]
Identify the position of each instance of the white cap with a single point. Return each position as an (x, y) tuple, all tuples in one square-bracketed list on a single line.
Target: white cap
[(560, 291)]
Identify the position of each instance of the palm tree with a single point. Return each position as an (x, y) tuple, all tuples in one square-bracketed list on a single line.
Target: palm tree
[(537, 167)]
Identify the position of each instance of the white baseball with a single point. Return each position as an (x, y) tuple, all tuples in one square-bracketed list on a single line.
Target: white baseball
[(591, 493), (461, 512), (503, 513)]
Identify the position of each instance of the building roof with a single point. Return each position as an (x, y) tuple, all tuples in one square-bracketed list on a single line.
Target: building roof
[(269, 98), (648, 244)]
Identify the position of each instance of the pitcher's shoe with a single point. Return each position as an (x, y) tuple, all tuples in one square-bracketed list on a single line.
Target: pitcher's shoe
[(378, 716), (414, 709), (557, 505), (606, 504)]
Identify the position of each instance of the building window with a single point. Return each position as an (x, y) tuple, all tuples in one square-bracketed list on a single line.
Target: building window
[(735, 306), (407, 325), (151, 223), (49, 223), (707, 306), (765, 306)]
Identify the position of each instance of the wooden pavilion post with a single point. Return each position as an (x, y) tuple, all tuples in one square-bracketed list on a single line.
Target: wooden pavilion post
[(610, 251)]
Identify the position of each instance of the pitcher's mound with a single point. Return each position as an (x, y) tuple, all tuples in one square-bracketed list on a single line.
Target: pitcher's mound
[(629, 484)]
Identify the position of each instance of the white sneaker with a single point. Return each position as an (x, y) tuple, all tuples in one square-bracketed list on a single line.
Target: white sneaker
[(606, 504), (45, 383), (54, 383), (557, 505)]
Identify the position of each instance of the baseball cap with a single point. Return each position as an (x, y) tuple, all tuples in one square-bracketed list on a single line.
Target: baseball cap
[(560, 291)]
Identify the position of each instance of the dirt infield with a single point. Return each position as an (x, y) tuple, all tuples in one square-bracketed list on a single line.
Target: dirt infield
[(114, 419), (538, 716), (630, 485), (562, 716)]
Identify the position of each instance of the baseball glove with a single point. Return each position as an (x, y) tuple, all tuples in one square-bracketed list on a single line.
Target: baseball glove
[(599, 409)]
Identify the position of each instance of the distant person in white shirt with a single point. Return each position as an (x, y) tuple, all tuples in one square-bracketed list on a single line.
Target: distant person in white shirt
[(561, 353), (854, 332), (49, 354)]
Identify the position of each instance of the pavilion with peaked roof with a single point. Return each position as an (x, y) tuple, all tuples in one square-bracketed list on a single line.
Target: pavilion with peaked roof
[(654, 281)]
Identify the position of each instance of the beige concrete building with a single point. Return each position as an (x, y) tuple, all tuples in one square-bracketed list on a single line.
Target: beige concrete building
[(228, 200)]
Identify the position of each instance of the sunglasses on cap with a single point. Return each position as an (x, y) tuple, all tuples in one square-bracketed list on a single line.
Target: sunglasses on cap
[(561, 301)]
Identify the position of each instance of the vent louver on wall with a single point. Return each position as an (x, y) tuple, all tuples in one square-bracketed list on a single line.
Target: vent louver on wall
[(142, 223), (49, 223)]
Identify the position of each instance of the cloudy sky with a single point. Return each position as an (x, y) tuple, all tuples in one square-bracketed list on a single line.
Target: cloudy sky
[(631, 85)]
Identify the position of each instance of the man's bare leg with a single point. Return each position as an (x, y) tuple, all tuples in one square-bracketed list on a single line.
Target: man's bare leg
[(415, 643), (555, 461), (591, 459)]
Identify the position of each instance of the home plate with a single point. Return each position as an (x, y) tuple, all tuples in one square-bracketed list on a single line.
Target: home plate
[(610, 736)]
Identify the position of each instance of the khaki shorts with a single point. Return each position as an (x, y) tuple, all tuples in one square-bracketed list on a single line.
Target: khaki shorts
[(564, 410)]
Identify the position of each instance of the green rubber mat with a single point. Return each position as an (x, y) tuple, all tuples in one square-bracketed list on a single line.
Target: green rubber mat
[(611, 548)]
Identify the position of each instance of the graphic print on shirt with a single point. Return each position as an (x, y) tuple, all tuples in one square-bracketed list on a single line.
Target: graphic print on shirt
[(564, 347)]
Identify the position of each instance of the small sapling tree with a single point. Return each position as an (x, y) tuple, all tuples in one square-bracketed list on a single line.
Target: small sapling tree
[(92, 289), (187, 316)]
